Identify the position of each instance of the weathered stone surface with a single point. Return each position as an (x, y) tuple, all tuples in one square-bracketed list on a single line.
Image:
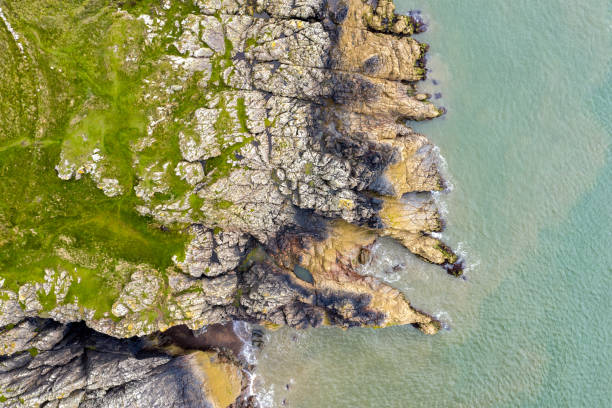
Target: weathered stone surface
[(43, 363), (212, 254), (287, 120), (299, 121)]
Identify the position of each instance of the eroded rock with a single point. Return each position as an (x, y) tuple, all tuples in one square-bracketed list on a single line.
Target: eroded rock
[(288, 120), (44, 363)]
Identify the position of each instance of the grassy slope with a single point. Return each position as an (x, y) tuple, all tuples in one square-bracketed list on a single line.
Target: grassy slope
[(73, 82)]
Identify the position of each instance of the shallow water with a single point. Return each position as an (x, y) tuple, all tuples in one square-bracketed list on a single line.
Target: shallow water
[(527, 142)]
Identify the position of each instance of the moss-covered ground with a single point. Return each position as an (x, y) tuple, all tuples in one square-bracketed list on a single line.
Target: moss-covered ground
[(76, 87)]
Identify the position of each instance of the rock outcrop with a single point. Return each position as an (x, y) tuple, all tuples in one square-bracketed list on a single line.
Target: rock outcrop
[(297, 157), (47, 364), (275, 137)]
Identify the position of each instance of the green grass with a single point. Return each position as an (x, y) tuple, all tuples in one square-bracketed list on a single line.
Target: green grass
[(222, 204), (447, 253), (250, 42), (8, 327), (242, 116), (81, 88), (222, 165), (75, 83), (196, 202), (237, 297), (268, 123), (40, 210), (308, 168), (137, 7)]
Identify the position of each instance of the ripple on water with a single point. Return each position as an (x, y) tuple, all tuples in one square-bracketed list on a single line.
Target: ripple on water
[(524, 150)]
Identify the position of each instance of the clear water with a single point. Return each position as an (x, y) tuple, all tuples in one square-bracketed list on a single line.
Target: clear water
[(527, 141)]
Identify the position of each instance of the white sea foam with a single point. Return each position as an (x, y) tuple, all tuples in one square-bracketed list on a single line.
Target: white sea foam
[(440, 203), (444, 171), (243, 331), (251, 387), (381, 265), (265, 397), (470, 262), (444, 318), (440, 196), (437, 235), (200, 331)]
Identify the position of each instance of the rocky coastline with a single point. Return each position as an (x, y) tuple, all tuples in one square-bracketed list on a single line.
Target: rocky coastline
[(288, 121)]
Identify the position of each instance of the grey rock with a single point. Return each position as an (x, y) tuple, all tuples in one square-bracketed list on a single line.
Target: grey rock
[(78, 367), (298, 125)]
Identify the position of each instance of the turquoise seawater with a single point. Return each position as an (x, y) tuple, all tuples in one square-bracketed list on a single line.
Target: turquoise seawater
[(527, 142)]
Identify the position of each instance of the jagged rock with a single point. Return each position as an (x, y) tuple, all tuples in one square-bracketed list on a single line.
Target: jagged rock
[(212, 254), (284, 123), (294, 147), (139, 294), (44, 363)]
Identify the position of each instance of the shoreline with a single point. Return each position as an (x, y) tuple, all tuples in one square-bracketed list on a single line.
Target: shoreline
[(297, 159)]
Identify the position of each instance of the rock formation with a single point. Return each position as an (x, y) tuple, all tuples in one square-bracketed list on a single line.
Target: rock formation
[(274, 139), (48, 364)]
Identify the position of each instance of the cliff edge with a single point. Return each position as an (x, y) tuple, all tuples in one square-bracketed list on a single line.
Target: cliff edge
[(197, 162)]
